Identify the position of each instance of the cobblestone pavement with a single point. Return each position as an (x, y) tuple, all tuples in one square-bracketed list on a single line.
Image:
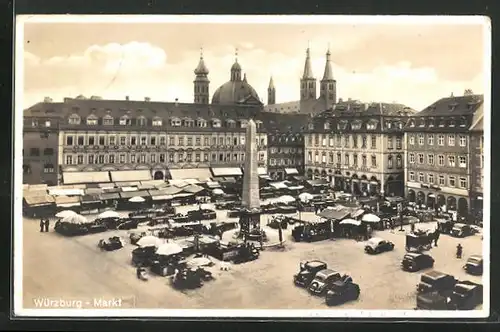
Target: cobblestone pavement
[(56, 267)]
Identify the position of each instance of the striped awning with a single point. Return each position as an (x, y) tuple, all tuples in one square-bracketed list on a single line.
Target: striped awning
[(40, 200), (225, 171)]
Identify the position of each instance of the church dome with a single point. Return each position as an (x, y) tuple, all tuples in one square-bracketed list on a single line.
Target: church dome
[(234, 92)]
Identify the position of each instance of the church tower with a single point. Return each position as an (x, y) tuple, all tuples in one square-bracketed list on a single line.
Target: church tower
[(201, 83), (271, 93), (307, 82), (236, 69), (328, 85)]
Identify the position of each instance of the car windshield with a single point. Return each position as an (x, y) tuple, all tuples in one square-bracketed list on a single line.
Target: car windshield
[(427, 280), (409, 257), (320, 277), (459, 289), (474, 260)]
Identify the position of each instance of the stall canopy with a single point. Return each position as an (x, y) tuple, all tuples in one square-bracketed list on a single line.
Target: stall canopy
[(213, 185), (223, 171), (36, 187), (317, 183), (201, 174), (65, 201), (110, 196), (192, 188), (333, 214), (130, 194), (39, 200), (106, 185), (278, 185), (395, 199), (90, 199), (93, 191), (262, 171), (128, 189), (135, 175), (291, 171), (66, 192), (85, 177)]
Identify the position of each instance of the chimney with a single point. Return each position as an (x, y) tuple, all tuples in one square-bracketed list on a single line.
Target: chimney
[(47, 100), (452, 95), (147, 99), (127, 98), (176, 101)]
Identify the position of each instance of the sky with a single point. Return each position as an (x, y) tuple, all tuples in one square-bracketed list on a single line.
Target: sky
[(413, 64)]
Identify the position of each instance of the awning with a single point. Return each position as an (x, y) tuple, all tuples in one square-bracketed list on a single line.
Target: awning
[(291, 171), (111, 190), (265, 177), (162, 197), (295, 187), (193, 189), (40, 192), (85, 177), (262, 171), (90, 199), (66, 192), (35, 187), (146, 186), (357, 213), (127, 184), (41, 200), (278, 185), (183, 195), (222, 171), (68, 205), (299, 178), (110, 196), (178, 183), (317, 182), (171, 190), (128, 189), (65, 201), (375, 183), (213, 184), (106, 185), (201, 174), (93, 191), (130, 194), (395, 199), (333, 214), (135, 175)]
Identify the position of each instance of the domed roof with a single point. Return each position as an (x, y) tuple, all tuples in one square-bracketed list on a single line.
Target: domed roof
[(234, 92), (236, 66), (202, 68)]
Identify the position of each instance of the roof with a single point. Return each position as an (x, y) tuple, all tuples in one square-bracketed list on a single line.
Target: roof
[(454, 105), (435, 274), (235, 92), (328, 73), (201, 69), (374, 240), (308, 73), (327, 272)]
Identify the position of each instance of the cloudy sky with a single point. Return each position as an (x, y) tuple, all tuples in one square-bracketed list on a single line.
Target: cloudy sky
[(413, 64)]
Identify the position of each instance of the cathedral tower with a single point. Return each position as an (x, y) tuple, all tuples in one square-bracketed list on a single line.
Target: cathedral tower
[(307, 82), (201, 83), (271, 93), (328, 85)]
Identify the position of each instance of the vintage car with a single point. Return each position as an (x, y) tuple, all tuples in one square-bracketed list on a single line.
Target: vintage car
[(307, 272), (179, 217), (474, 265), (202, 214), (113, 243), (310, 232), (70, 229), (190, 278), (462, 230), (342, 292), (466, 295), (435, 281), (445, 226), (413, 262), (246, 252), (377, 245), (323, 280), (128, 224), (418, 241), (143, 256), (277, 222), (433, 301)]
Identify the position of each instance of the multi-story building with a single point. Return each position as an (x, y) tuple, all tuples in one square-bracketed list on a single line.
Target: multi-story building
[(477, 161), (440, 149), (358, 147)]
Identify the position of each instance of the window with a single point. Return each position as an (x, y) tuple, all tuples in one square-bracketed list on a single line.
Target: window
[(108, 120), (101, 159), (421, 177), (363, 160), (111, 159), (122, 158), (48, 152), (411, 176), (323, 141), (323, 158), (316, 139), (91, 159), (440, 140), (81, 140), (451, 161), (451, 140), (132, 158), (92, 120), (205, 156), (316, 157), (339, 158), (198, 141), (354, 160), (420, 158), (143, 158), (363, 142), (133, 140), (48, 168), (390, 163), (102, 140), (339, 138), (34, 123), (153, 158), (412, 140), (190, 141), (91, 140), (462, 161), (463, 183), (354, 141), (420, 139), (440, 160), (452, 181), (79, 159), (374, 141), (157, 122), (69, 140), (125, 121), (463, 140), (441, 180), (430, 139), (123, 140), (309, 157), (430, 159), (141, 121), (152, 140), (162, 158), (346, 159), (69, 160), (399, 146), (74, 119), (143, 140), (389, 142), (430, 178), (181, 140), (399, 161), (47, 123), (171, 140), (112, 140), (34, 152), (330, 158), (171, 157), (346, 141), (374, 161), (411, 158)]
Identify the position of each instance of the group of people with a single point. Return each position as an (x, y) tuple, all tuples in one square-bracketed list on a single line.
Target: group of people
[(44, 225)]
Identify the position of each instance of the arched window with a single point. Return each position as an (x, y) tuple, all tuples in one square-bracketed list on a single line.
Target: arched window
[(74, 119), (399, 161), (142, 121), (389, 162), (92, 120), (125, 121)]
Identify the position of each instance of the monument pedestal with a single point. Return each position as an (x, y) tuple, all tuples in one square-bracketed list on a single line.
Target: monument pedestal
[(250, 224)]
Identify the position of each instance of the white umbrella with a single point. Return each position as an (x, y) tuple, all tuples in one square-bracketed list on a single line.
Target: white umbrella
[(108, 214), (286, 199), (75, 219), (199, 261), (149, 241), (65, 213), (218, 191), (350, 222), (205, 206), (304, 197), (370, 217), (137, 199), (168, 249)]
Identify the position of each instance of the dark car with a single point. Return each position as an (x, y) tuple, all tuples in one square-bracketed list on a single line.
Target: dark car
[(202, 214), (435, 281), (377, 246), (416, 261), (143, 256), (323, 280), (466, 295), (474, 265), (462, 230), (307, 272), (433, 301), (342, 292)]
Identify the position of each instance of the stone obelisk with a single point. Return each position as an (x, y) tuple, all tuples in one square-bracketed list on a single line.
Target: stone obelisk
[(250, 218)]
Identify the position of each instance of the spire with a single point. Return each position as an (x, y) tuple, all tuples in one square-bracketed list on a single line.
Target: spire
[(307, 66), (202, 68), (328, 74), (271, 84), (236, 69), (245, 77)]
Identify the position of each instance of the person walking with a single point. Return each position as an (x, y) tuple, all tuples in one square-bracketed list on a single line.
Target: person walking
[(47, 224), (412, 227), (436, 237), (42, 224)]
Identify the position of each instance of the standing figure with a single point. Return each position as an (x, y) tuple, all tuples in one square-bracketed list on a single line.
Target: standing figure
[(436, 237), (459, 251), (47, 224), (412, 227), (42, 223)]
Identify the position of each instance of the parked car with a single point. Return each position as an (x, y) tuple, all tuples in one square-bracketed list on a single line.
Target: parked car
[(143, 256), (377, 245), (433, 301), (202, 214), (462, 230), (466, 295), (435, 281), (113, 243), (342, 292), (413, 262), (323, 280), (307, 272), (474, 265)]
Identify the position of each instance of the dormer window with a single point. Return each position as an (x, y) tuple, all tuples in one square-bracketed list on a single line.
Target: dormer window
[(258, 124), (141, 121), (175, 122), (310, 126), (452, 123), (157, 122), (371, 125), (125, 121), (441, 123), (412, 123), (92, 120), (400, 125), (431, 123), (216, 123), (463, 122), (422, 122), (230, 123), (201, 123), (74, 119), (243, 123), (342, 125), (187, 122), (327, 125), (108, 120), (388, 125), (356, 125)]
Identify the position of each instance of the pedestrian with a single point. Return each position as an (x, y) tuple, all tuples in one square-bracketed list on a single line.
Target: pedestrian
[(412, 227), (47, 224), (436, 237), (391, 224), (42, 223)]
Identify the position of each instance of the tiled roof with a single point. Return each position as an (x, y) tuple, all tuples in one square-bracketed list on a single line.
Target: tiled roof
[(459, 105)]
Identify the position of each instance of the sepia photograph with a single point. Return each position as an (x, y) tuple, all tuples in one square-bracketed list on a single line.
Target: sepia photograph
[(252, 166)]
